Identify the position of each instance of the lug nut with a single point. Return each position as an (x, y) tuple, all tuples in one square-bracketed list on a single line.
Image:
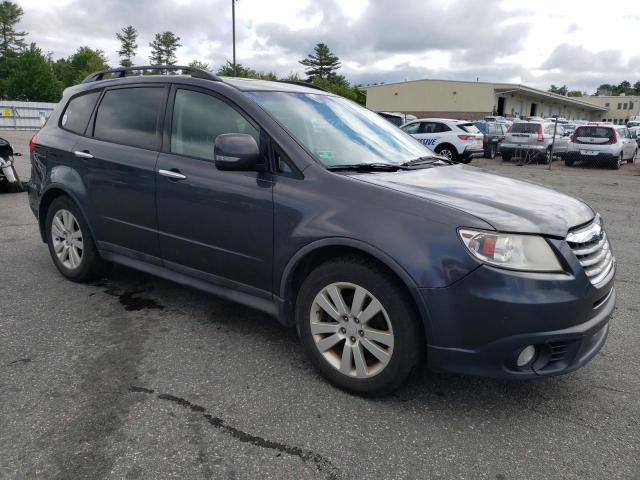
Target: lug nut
[(357, 320), (345, 318), (361, 333), (353, 339), (343, 330)]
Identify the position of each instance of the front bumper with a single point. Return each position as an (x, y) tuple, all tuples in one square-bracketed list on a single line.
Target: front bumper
[(478, 325)]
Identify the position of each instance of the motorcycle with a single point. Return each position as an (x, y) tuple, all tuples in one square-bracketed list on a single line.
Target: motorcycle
[(9, 180)]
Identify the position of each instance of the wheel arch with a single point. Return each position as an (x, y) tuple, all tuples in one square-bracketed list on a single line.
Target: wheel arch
[(444, 144), (316, 253), (52, 192)]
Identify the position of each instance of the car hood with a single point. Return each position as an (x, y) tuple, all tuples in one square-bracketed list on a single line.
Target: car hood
[(508, 205)]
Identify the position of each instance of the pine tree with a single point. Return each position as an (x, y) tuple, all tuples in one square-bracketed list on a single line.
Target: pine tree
[(163, 48), (198, 64), (128, 45), (11, 42), (322, 63), (32, 78)]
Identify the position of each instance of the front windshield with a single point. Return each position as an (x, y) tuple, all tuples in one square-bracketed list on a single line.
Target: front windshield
[(338, 131)]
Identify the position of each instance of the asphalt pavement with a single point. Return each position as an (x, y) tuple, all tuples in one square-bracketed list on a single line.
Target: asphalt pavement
[(134, 377)]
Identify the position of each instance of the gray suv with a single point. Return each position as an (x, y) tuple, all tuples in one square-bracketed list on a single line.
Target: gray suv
[(324, 215), (534, 138)]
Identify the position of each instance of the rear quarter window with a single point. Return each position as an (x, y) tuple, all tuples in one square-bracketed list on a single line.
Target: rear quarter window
[(468, 127), (76, 115)]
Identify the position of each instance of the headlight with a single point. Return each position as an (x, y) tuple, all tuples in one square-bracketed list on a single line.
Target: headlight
[(506, 250)]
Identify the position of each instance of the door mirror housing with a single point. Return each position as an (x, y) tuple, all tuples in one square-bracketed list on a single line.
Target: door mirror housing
[(236, 151)]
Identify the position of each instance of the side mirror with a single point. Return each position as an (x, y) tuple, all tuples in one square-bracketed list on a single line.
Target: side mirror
[(236, 151)]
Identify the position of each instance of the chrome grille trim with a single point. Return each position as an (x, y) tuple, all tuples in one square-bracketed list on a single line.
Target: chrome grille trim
[(592, 249)]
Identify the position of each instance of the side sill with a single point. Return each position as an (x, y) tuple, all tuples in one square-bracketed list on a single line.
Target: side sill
[(243, 298)]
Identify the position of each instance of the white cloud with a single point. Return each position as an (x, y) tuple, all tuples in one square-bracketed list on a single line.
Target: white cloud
[(539, 42)]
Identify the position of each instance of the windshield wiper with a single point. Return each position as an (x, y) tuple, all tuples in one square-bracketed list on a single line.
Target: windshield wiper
[(435, 160), (368, 167)]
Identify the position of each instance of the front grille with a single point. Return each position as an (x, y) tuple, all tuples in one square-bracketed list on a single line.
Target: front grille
[(592, 249)]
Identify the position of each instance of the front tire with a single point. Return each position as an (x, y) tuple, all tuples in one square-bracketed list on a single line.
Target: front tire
[(358, 326), (70, 244)]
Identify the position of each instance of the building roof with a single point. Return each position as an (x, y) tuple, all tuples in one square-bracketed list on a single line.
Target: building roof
[(512, 87)]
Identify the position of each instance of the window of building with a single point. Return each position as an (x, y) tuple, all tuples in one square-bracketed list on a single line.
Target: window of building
[(77, 114), (624, 106), (199, 118), (130, 116), (630, 105), (620, 106)]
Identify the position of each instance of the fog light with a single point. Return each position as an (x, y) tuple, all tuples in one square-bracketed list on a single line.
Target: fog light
[(526, 355)]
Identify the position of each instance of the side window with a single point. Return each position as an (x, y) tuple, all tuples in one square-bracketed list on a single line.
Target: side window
[(282, 163), (427, 127), (411, 128), (441, 127), (76, 115), (129, 116), (198, 118)]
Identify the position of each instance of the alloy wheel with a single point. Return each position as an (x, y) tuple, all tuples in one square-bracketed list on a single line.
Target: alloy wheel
[(351, 330), (67, 239)]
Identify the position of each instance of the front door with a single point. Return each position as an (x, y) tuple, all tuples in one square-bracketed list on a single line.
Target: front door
[(214, 224), (119, 164)]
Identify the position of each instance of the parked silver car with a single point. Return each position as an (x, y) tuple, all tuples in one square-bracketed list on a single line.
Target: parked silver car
[(534, 137), (605, 144)]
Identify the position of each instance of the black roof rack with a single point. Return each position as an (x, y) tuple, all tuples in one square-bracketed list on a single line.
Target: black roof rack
[(120, 72), (304, 84)]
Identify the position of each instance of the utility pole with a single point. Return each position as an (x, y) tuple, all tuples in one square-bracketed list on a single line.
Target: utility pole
[(233, 21)]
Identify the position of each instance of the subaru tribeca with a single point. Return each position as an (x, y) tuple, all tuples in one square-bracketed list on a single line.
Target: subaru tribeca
[(302, 204)]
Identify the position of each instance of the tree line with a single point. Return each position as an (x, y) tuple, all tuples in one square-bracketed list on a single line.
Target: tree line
[(28, 73), (623, 87)]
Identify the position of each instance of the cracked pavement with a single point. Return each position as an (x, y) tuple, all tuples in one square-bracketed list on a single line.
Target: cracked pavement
[(134, 377)]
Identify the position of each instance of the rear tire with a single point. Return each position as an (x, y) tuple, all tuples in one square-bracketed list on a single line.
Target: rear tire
[(632, 160), (13, 187), (568, 161), (617, 163), (340, 345), (70, 243), (490, 152), (448, 152)]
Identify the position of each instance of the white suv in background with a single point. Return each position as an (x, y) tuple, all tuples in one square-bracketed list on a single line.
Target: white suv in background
[(605, 144), (457, 140)]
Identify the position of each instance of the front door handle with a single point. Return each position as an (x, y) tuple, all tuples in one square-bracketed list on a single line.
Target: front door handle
[(82, 154), (173, 174)]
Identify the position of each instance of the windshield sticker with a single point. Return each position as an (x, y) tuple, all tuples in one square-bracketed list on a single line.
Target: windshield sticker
[(325, 154)]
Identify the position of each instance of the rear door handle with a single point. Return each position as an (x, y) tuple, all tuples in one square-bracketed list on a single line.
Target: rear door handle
[(82, 154), (173, 174)]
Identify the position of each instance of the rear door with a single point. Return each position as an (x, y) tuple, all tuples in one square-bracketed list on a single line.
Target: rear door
[(213, 224), (119, 159), (592, 139)]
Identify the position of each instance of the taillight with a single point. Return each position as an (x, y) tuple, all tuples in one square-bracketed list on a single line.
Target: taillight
[(485, 139), (613, 138), (465, 137), (33, 143), (540, 137)]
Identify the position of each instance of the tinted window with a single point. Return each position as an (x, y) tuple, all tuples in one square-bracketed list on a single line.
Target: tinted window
[(76, 116), (411, 128), (524, 128), (469, 127), (428, 127), (130, 116), (198, 119), (594, 132), (441, 127)]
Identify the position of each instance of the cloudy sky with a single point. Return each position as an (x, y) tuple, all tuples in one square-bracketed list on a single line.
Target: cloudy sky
[(578, 43)]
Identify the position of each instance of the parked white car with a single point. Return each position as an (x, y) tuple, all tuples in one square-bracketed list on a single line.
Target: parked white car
[(457, 140), (602, 143)]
